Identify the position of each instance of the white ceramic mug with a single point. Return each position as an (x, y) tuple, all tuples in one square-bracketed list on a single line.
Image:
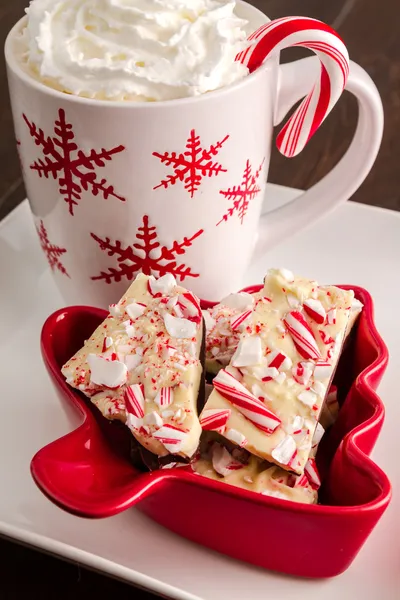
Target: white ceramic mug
[(112, 190)]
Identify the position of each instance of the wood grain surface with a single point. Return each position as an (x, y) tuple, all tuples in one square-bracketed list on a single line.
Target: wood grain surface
[(371, 32)]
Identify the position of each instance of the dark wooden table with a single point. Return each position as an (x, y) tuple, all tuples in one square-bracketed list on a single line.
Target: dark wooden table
[(371, 32)]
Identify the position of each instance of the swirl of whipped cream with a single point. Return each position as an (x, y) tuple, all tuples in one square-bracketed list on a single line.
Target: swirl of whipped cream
[(135, 49)]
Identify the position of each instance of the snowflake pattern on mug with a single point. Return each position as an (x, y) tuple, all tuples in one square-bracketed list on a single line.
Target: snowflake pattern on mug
[(52, 252), (242, 194), (192, 165), (147, 255), (74, 169)]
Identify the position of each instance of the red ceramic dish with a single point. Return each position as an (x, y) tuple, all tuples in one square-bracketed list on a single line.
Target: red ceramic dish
[(88, 472)]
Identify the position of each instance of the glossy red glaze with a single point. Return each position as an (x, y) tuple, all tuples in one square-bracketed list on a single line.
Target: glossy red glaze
[(88, 472)]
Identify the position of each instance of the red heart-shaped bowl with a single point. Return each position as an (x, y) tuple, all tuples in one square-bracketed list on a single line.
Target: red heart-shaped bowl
[(89, 472)]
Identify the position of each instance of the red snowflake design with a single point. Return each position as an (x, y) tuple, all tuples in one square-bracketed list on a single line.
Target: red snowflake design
[(75, 171), (243, 193), (147, 255), (52, 252), (192, 165)]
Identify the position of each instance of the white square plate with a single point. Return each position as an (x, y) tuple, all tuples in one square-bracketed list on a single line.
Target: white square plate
[(357, 244)]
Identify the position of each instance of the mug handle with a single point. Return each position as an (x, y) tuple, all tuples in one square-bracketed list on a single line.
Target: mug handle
[(295, 81)]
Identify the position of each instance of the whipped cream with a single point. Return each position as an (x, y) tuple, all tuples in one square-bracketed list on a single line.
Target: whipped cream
[(149, 50)]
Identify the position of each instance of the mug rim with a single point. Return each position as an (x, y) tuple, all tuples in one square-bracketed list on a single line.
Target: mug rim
[(13, 64)]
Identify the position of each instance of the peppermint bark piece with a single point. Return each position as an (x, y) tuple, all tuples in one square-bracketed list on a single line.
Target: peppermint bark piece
[(241, 469), (142, 365), (275, 386)]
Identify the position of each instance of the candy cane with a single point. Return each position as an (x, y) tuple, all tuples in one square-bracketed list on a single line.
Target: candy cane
[(247, 404), (214, 419), (277, 35), (134, 400), (302, 335)]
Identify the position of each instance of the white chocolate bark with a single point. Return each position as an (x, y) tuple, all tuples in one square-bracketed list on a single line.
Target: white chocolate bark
[(142, 365), (255, 475), (269, 398)]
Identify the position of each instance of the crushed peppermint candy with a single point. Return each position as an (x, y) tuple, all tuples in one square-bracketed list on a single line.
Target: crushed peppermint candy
[(153, 418), (135, 310), (308, 398), (214, 419), (315, 310), (208, 320), (179, 328), (164, 397), (249, 352), (132, 361), (223, 462), (284, 452), (103, 372), (279, 360), (171, 437), (236, 437), (164, 285), (241, 301)]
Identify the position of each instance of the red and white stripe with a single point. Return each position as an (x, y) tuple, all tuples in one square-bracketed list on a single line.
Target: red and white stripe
[(134, 400), (171, 437), (302, 335), (315, 310), (164, 397), (277, 35), (238, 323), (247, 404), (190, 307), (214, 419), (322, 370), (312, 474), (279, 360)]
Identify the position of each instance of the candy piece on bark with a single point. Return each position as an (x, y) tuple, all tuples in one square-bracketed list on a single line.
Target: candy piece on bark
[(315, 310), (135, 310), (190, 306), (132, 361), (238, 323), (214, 419), (134, 400), (171, 437), (164, 397), (223, 462), (312, 474), (179, 328), (322, 369), (302, 335), (279, 360), (236, 437), (285, 450), (162, 285), (247, 404), (248, 353), (108, 373), (209, 320), (241, 301)]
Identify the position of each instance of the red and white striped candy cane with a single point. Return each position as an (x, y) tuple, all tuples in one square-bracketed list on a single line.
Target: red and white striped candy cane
[(289, 32)]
